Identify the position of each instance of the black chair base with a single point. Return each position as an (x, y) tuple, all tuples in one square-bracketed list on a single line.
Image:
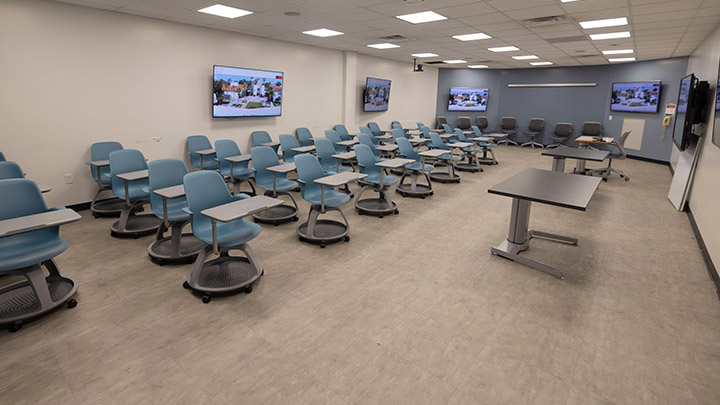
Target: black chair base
[(135, 226), (178, 247), (413, 189), (224, 275), (323, 231)]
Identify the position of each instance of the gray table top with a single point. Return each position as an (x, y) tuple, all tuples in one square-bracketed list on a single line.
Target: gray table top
[(394, 163), (418, 140), (481, 139), (273, 143), (44, 188), (344, 156), (496, 135), (136, 175), (303, 149), (205, 151), (339, 179), (548, 187), (171, 192), (349, 142), (459, 144), (238, 158), (446, 136), (99, 163), (14, 226), (241, 208), (433, 152), (284, 168), (386, 148), (381, 137), (591, 139), (578, 153)]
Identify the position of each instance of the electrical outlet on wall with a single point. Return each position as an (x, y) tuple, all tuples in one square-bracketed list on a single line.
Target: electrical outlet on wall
[(68, 179), (610, 118)]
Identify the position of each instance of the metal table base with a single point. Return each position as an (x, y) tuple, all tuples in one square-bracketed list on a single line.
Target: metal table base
[(518, 239)]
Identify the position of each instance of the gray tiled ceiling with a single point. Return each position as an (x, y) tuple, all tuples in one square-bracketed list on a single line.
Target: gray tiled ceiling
[(660, 28)]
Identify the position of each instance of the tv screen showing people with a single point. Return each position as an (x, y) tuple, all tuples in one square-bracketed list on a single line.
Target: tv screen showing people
[(239, 92), (377, 94), (642, 97), (467, 99)]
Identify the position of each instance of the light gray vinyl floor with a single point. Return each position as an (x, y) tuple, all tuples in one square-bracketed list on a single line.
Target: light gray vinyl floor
[(413, 310)]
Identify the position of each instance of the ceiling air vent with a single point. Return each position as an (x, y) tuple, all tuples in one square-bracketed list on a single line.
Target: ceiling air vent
[(586, 56), (393, 38), (433, 62), (545, 21)]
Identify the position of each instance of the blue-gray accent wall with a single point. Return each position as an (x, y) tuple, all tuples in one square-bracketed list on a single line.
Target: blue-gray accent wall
[(575, 104)]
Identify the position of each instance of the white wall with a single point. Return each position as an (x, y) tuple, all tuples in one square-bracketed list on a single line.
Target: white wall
[(71, 76), (704, 197)]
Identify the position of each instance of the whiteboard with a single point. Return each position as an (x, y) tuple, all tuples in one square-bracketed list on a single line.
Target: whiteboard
[(683, 173), (637, 128)]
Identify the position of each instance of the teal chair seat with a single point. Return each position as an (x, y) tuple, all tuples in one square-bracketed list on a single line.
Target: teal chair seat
[(374, 178), (228, 233), (175, 206), (240, 173), (420, 167), (27, 249), (280, 184), (332, 198)]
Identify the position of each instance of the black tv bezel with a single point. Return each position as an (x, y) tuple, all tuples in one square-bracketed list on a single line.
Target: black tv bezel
[(212, 106), (657, 107), (687, 125), (716, 111), (366, 89), (450, 97)]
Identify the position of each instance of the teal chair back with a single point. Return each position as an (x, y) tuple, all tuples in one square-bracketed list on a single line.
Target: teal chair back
[(366, 159), (342, 132), (374, 128), (10, 170), (304, 136), (308, 168), (287, 142), (101, 151)]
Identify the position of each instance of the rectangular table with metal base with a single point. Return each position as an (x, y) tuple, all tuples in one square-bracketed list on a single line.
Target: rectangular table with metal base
[(547, 187), (581, 154)]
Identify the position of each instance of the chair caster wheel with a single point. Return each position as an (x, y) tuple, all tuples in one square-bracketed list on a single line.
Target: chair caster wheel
[(248, 289), (136, 236), (422, 197), (301, 239), (186, 285), (71, 303), (161, 262), (295, 219), (432, 193), (15, 327), (380, 216), (113, 234), (95, 215), (322, 245), (276, 223), (627, 178), (206, 299), (347, 238), (255, 220), (397, 212)]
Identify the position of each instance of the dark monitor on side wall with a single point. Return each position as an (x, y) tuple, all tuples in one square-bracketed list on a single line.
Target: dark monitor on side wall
[(681, 127), (716, 111)]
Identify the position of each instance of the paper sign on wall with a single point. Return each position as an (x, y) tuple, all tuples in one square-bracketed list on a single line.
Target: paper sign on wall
[(670, 109), (636, 128)]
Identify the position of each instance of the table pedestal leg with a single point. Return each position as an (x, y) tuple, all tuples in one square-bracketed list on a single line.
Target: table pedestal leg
[(519, 237), (558, 164)]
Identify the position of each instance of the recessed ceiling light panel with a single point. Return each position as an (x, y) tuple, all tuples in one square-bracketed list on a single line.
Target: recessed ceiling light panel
[(541, 63), (617, 51), (477, 66), (610, 22), (453, 61), (621, 60), (504, 49), (425, 55), (472, 37), (225, 11), (384, 45), (323, 32), (419, 18), (526, 57), (610, 35)]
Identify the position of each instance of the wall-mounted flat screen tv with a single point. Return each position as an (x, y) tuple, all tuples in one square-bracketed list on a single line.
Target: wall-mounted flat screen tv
[(639, 97), (376, 95), (716, 126), (239, 92), (467, 99), (681, 129)]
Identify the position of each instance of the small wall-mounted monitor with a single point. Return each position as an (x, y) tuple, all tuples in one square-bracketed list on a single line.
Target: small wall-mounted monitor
[(376, 96), (467, 99), (682, 128), (716, 126), (638, 97), (239, 92)]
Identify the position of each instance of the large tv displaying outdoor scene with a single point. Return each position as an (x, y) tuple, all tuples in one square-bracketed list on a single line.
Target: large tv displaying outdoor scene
[(466, 99), (377, 94), (239, 92), (641, 97)]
